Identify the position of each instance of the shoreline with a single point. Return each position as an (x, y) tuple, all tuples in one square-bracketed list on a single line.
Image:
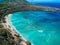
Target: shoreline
[(12, 29)]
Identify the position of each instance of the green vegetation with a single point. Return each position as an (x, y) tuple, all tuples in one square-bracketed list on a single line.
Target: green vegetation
[(6, 7), (6, 38), (28, 43), (1, 26)]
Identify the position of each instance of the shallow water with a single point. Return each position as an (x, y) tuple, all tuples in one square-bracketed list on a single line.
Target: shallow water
[(39, 27)]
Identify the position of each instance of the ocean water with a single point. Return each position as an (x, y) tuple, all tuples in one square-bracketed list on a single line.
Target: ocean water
[(54, 5), (39, 27), (1, 1)]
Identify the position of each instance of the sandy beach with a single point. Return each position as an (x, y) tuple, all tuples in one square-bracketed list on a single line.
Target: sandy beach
[(12, 30)]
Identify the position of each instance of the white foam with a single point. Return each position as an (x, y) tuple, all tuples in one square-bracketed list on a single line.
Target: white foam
[(40, 31)]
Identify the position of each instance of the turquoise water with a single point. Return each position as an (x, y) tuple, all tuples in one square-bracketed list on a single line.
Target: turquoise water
[(39, 27)]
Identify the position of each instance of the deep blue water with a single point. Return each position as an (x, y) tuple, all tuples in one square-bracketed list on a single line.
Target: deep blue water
[(1, 1), (57, 5), (39, 27)]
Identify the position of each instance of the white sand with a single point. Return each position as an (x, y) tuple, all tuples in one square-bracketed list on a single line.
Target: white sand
[(13, 30)]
